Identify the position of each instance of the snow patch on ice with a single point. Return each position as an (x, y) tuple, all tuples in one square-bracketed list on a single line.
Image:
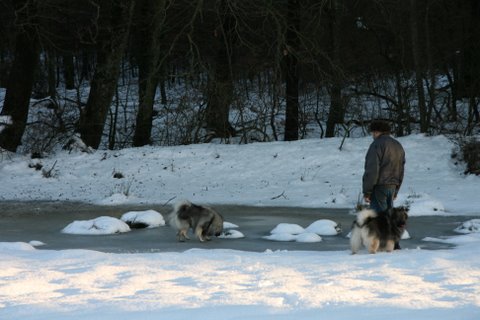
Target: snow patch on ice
[(98, 226)]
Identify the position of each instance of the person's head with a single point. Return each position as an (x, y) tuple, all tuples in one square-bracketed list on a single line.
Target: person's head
[(379, 127)]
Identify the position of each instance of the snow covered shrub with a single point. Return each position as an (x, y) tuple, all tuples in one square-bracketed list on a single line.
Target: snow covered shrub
[(468, 151), (50, 125), (471, 156)]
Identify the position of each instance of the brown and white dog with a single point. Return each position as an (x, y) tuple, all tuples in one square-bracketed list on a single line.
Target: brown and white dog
[(204, 221), (378, 231)]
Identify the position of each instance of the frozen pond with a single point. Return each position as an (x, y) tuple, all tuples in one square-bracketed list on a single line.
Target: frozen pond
[(43, 221)]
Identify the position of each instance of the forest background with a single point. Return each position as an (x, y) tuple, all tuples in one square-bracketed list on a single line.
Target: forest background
[(116, 74)]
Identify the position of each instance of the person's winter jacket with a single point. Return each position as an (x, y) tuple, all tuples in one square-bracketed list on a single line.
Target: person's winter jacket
[(384, 164)]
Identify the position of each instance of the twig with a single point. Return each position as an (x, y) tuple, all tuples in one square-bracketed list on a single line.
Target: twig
[(168, 201), (48, 174), (280, 195)]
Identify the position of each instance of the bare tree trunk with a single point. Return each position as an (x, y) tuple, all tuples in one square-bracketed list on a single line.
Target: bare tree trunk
[(220, 85), (471, 65), (291, 83), (113, 122), (86, 66), (147, 25), (114, 21), (336, 113), (163, 91), (473, 115), (417, 61), (430, 67), (402, 114), (69, 71), (51, 74), (470, 73), (3, 68), (454, 81), (19, 86)]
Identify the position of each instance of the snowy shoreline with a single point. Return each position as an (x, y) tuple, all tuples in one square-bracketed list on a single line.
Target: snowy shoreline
[(309, 174)]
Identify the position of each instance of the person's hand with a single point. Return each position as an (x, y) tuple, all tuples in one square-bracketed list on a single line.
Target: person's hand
[(366, 198)]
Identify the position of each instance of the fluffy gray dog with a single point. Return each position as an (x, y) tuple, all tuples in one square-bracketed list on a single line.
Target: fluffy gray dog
[(204, 221)]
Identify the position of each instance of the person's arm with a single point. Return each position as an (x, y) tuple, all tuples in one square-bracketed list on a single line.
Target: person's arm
[(370, 175), (401, 175)]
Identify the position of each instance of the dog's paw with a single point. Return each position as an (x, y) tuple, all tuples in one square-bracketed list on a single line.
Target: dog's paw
[(182, 237)]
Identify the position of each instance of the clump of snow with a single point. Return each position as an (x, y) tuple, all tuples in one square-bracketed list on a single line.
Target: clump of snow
[(35, 243), (290, 228), (98, 226), (324, 227), (143, 219), (281, 236), (471, 226), (231, 234), (295, 232), (308, 237), (16, 246), (229, 225)]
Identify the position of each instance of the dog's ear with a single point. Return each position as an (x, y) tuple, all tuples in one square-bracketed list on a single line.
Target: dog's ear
[(400, 214), (403, 210)]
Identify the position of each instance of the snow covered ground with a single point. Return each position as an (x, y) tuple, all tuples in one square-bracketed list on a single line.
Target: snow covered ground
[(227, 284), (307, 173)]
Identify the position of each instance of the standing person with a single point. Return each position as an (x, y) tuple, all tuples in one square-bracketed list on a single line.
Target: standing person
[(384, 168)]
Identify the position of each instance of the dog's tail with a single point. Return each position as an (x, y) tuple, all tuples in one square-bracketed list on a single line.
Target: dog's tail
[(173, 219), (356, 234), (181, 206), (364, 215)]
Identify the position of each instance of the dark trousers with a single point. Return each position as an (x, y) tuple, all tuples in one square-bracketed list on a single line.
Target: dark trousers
[(381, 200)]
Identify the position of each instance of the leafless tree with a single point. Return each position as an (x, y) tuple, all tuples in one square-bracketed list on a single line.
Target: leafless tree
[(147, 26), (20, 82), (114, 26)]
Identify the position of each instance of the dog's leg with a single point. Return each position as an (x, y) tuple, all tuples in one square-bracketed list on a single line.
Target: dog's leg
[(199, 234), (355, 241), (373, 246), (205, 235), (389, 245), (182, 235), (179, 237)]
